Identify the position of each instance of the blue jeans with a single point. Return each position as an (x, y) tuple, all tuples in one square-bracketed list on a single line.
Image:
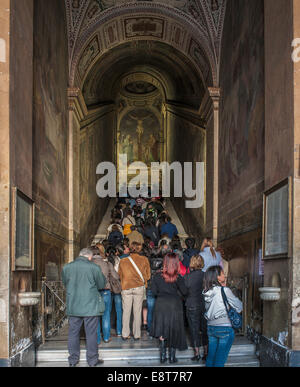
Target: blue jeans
[(119, 312), (106, 294), (150, 306), (220, 342)]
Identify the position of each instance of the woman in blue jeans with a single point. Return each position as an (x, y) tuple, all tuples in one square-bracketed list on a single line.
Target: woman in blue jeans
[(219, 329), (119, 313), (101, 259)]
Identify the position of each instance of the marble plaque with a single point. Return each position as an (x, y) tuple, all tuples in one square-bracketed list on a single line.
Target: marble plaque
[(277, 222)]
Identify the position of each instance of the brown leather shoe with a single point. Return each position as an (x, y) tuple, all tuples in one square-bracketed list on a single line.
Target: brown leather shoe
[(126, 338)]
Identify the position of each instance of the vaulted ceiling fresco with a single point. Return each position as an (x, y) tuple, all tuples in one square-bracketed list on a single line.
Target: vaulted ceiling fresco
[(192, 26)]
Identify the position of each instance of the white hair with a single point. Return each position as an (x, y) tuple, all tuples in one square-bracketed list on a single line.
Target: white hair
[(86, 253)]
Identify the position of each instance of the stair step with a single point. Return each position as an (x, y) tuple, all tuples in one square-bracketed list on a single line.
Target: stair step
[(241, 361), (133, 354)]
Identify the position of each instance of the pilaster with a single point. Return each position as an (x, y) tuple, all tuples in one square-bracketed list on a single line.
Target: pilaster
[(4, 180), (215, 94)]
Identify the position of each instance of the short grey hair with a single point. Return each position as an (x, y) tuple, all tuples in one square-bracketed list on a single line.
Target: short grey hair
[(86, 253)]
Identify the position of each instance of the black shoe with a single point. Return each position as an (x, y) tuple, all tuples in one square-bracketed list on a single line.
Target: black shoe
[(163, 351), (73, 365), (137, 338), (196, 358), (98, 364), (172, 357)]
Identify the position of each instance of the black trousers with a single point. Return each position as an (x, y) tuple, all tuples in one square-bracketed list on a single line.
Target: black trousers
[(197, 323), (90, 326)]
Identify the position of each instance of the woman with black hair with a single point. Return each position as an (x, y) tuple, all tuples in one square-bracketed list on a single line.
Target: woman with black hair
[(195, 306), (114, 255), (220, 332)]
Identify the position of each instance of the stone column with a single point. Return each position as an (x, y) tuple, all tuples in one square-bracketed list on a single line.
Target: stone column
[(215, 96), (4, 181)]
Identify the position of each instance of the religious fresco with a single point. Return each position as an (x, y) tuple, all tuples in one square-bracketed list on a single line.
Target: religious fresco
[(139, 137)]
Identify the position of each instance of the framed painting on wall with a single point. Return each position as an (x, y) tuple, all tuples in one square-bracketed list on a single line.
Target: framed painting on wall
[(277, 221), (22, 232)]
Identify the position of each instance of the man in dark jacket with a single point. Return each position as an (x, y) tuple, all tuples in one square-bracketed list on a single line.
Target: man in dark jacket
[(83, 280), (115, 237)]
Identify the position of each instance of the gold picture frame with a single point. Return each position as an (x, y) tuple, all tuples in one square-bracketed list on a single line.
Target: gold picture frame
[(22, 249), (277, 221)]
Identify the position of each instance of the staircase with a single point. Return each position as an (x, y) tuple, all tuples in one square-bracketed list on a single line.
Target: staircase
[(144, 353), (102, 230)]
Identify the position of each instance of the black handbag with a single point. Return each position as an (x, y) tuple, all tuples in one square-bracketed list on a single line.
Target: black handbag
[(235, 318)]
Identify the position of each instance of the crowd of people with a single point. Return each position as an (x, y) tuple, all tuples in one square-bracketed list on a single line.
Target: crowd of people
[(142, 269)]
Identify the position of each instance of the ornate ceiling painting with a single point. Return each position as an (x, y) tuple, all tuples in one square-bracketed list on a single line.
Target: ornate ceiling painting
[(194, 27)]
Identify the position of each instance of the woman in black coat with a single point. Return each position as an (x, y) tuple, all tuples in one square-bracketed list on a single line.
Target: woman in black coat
[(195, 306), (168, 319)]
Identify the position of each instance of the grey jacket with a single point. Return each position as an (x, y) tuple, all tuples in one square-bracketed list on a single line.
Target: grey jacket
[(106, 268), (216, 314)]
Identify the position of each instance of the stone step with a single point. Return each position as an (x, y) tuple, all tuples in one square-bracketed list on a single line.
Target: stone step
[(133, 354), (233, 361)]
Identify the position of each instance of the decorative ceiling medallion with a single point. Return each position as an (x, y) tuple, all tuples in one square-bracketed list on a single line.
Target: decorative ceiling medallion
[(140, 88)]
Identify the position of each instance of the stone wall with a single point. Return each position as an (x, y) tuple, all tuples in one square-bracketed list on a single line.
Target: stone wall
[(241, 141), (50, 139), (187, 143), (97, 142), (21, 162), (242, 151), (279, 147)]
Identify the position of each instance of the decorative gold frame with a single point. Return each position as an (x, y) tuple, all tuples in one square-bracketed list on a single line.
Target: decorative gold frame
[(287, 182), (15, 194)]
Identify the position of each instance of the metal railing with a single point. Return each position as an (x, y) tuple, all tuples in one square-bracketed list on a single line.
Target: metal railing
[(53, 307)]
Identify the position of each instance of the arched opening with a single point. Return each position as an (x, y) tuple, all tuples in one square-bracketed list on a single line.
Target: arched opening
[(140, 98)]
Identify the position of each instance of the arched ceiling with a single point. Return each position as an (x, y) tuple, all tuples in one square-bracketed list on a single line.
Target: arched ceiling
[(193, 27), (152, 62)]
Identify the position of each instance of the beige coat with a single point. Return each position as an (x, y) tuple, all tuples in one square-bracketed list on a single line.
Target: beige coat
[(135, 236)]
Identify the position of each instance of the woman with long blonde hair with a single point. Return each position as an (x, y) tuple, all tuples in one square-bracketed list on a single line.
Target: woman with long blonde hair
[(210, 255)]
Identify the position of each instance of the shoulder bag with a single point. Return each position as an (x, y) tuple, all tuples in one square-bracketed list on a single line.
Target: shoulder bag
[(234, 317), (115, 284)]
